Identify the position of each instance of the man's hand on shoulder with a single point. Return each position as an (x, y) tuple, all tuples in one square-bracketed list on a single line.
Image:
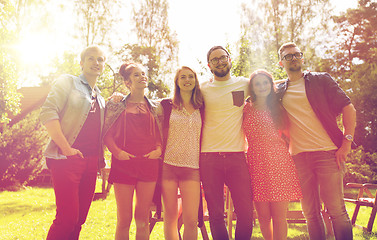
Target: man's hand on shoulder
[(116, 97)]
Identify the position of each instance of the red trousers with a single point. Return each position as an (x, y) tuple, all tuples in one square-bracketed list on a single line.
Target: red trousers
[(74, 181)]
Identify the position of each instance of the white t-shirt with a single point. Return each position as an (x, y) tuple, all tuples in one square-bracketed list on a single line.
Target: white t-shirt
[(224, 101), (306, 131)]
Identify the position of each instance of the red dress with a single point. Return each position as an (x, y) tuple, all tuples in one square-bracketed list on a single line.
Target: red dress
[(272, 170)]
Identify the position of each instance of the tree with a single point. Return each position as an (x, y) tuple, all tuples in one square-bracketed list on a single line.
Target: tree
[(96, 20), (292, 20), (9, 98), (21, 144), (21, 148), (243, 63), (155, 41), (66, 64), (357, 33), (146, 56), (361, 166), (362, 91), (250, 54), (15, 20), (351, 59), (269, 24)]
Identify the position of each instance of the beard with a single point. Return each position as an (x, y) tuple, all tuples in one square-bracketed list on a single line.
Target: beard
[(295, 69), (221, 72)]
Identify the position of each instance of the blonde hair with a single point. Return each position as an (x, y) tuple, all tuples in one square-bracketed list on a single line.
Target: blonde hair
[(89, 49), (196, 97)]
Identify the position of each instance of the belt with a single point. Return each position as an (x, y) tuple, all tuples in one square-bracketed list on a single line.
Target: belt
[(223, 154)]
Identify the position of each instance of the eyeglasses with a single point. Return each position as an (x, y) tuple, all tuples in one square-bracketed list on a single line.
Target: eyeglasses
[(222, 59), (289, 57)]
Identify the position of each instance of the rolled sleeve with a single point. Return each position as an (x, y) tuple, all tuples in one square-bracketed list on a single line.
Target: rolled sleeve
[(56, 99), (336, 97)]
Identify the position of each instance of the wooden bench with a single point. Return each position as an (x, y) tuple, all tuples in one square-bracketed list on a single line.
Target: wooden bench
[(44, 177), (154, 218), (366, 201), (104, 176), (293, 216)]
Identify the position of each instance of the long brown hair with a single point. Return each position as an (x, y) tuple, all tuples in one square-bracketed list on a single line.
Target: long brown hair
[(278, 113), (196, 97)]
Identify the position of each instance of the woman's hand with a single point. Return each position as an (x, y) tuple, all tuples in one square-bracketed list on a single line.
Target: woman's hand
[(122, 155), (72, 152), (154, 154)]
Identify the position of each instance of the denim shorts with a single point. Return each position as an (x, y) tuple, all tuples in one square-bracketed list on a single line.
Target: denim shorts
[(170, 172)]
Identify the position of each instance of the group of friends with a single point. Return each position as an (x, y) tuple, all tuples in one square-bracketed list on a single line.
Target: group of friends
[(268, 143)]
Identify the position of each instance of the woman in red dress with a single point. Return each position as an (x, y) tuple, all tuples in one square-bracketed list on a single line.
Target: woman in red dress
[(133, 138), (273, 173)]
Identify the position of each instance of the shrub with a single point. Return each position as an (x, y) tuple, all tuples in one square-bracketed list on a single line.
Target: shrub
[(21, 147), (362, 166)]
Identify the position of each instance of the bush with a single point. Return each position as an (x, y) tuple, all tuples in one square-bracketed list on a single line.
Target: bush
[(362, 166), (21, 148)]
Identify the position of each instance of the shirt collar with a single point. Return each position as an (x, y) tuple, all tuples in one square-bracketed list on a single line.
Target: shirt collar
[(84, 81)]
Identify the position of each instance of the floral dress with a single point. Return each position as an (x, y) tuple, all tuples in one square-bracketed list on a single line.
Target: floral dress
[(272, 170)]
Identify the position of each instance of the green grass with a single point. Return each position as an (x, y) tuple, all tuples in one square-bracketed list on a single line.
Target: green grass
[(27, 215)]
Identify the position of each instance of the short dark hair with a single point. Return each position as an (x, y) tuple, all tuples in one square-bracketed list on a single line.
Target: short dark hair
[(215, 48), (285, 46)]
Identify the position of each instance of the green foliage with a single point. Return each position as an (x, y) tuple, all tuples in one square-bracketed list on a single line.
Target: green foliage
[(110, 82), (9, 98), (357, 33), (242, 65), (362, 90), (21, 147), (152, 29), (66, 64), (157, 42), (266, 25), (148, 58), (96, 19), (269, 24), (352, 58), (361, 166)]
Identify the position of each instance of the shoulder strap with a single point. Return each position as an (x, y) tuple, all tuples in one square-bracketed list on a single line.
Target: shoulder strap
[(167, 106)]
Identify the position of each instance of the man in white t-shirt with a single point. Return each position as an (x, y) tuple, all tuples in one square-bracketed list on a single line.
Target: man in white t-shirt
[(223, 147), (319, 148)]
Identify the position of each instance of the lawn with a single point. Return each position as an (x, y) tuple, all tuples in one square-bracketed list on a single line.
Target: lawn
[(27, 214)]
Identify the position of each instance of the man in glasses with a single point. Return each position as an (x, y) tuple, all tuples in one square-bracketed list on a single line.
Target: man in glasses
[(73, 114), (319, 148), (223, 147)]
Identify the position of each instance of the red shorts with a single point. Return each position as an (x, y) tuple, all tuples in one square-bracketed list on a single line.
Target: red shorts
[(134, 170)]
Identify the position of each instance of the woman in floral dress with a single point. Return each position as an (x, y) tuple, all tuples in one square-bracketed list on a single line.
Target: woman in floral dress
[(273, 173)]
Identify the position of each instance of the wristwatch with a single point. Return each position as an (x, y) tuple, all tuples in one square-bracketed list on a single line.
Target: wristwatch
[(348, 137)]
